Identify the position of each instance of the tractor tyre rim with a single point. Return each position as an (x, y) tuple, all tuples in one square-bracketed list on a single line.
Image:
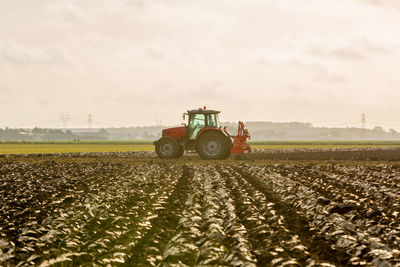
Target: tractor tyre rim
[(212, 147), (166, 148)]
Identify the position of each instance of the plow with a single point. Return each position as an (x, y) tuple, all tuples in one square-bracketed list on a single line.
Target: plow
[(204, 135)]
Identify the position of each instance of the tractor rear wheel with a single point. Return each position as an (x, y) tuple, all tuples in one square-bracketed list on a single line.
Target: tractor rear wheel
[(213, 145), (167, 147), (228, 152)]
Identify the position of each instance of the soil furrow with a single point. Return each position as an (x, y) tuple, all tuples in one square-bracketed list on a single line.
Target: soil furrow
[(339, 188), (360, 238), (148, 249), (359, 212), (298, 224), (264, 228), (225, 242)]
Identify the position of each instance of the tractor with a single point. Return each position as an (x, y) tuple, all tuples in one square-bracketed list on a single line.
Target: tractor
[(204, 135)]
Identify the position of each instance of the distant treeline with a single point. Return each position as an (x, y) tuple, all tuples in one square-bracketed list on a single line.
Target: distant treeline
[(35, 134), (258, 131), (306, 131)]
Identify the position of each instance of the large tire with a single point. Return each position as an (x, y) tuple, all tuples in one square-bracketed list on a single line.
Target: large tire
[(167, 148), (180, 151), (213, 145), (228, 151)]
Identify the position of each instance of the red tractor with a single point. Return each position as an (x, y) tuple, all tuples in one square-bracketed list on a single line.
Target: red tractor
[(204, 135)]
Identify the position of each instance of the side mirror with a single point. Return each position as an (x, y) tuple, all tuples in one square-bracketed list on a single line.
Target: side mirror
[(183, 116)]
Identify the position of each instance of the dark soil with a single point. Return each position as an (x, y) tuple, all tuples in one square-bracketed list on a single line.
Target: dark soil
[(130, 209)]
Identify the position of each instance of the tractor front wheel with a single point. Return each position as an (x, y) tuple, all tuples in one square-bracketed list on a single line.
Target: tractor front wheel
[(167, 148), (213, 145)]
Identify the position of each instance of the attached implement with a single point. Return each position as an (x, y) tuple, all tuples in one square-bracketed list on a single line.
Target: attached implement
[(204, 135)]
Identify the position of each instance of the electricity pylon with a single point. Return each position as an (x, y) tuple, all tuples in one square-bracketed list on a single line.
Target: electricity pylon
[(65, 119)]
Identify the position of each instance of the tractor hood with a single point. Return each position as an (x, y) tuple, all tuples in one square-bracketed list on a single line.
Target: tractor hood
[(175, 132)]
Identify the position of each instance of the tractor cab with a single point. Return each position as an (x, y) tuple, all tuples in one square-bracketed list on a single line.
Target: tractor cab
[(200, 119)]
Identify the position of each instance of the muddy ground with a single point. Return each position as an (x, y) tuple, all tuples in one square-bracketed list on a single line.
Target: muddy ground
[(133, 209)]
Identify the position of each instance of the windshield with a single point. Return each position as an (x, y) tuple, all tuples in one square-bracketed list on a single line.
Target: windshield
[(196, 123)]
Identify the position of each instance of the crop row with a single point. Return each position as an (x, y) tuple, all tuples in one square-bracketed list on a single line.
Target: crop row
[(179, 214), (78, 212), (341, 208)]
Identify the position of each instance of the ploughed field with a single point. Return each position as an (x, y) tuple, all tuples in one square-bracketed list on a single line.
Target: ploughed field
[(133, 209)]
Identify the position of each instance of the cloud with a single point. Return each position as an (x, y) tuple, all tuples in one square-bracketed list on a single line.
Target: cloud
[(65, 11), (141, 56), (341, 53), (320, 52), (389, 4), (351, 47), (16, 54), (9, 95)]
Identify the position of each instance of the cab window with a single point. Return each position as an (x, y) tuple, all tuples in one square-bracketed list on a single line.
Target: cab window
[(212, 120), (196, 123)]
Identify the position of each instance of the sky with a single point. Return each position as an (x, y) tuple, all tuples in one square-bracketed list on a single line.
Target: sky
[(132, 62)]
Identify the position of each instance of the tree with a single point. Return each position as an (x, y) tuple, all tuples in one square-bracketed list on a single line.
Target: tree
[(393, 133), (378, 129)]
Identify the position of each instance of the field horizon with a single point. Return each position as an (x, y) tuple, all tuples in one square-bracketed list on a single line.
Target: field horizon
[(34, 147)]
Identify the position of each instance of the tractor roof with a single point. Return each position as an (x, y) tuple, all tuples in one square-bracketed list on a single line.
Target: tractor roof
[(203, 111)]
